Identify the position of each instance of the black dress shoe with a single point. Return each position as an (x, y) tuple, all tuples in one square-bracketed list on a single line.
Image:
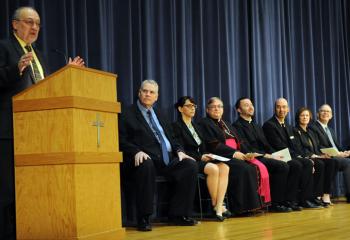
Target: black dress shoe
[(143, 224), (227, 214), (279, 208), (182, 221), (310, 205), (347, 198), (219, 218), (294, 206), (319, 202)]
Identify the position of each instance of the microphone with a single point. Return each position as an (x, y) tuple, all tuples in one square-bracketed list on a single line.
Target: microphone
[(60, 53)]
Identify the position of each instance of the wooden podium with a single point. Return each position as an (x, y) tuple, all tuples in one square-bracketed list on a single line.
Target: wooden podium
[(67, 157)]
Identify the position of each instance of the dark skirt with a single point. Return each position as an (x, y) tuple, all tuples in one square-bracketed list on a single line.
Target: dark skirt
[(242, 191)]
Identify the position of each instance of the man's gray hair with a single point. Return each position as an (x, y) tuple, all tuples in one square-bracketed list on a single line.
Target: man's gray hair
[(212, 99), (279, 99), (324, 105), (17, 13), (149, 81)]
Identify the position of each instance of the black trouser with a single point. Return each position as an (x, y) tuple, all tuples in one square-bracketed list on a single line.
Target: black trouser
[(306, 181), (344, 166), (7, 191), (181, 174), (300, 180), (278, 172), (318, 178)]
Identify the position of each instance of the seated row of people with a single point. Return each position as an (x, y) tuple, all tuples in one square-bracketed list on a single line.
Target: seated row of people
[(249, 174)]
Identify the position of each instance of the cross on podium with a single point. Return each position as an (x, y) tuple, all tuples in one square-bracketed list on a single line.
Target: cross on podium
[(98, 124)]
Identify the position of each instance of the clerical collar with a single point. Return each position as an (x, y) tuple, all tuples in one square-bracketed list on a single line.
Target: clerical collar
[(215, 120), (248, 121)]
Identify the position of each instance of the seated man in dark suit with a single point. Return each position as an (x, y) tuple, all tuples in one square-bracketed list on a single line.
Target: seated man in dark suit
[(254, 139), (280, 135), (327, 139), (150, 149)]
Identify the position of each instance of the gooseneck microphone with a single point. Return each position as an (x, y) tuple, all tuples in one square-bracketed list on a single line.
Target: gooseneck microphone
[(61, 53)]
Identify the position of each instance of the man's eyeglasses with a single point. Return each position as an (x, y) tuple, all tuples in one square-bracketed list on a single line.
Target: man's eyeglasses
[(145, 91), (30, 22), (215, 106), (190, 106)]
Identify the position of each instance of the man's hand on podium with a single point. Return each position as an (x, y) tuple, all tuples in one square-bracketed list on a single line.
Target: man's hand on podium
[(77, 61)]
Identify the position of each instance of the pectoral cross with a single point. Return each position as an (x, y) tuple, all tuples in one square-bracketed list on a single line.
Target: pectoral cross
[(98, 124)]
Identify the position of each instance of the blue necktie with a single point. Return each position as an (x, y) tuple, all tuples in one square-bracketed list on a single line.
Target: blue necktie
[(329, 134), (160, 138)]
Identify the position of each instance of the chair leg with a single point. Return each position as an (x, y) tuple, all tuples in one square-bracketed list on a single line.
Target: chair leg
[(200, 199), (160, 199)]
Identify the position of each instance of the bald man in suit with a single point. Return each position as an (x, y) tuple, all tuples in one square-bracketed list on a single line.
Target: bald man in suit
[(280, 135)]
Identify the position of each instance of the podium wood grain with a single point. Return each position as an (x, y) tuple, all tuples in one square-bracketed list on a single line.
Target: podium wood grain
[(68, 187)]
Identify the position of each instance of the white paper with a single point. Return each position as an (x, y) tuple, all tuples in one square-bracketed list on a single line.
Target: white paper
[(284, 154), (330, 151), (219, 158)]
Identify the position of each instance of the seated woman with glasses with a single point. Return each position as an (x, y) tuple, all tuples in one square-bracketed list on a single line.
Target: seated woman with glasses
[(221, 139), (188, 134), (310, 149)]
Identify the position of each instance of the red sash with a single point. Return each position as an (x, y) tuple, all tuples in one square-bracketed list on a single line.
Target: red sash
[(231, 143), (264, 183)]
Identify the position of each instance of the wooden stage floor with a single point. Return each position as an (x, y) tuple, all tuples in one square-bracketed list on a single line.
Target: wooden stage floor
[(332, 223)]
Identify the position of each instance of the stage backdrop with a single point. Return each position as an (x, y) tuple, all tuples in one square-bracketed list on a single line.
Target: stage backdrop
[(264, 49)]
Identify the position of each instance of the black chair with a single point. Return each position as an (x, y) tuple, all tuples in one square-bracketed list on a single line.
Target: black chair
[(201, 193), (161, 199)]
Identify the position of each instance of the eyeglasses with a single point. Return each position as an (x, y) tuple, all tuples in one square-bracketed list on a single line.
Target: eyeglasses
[(145, 91), (30, 22), (325, 111), (190, 106), (215, 106)]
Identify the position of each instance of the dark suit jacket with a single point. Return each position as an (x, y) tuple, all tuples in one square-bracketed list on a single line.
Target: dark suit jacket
[(11, 83), (136, 135), (185, 138), (255, 140), (322, 136), (303, 137), (278, 140), (215, 138)]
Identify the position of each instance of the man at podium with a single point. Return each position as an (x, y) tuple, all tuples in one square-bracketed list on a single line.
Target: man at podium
[(21, 65), (150, 149)]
